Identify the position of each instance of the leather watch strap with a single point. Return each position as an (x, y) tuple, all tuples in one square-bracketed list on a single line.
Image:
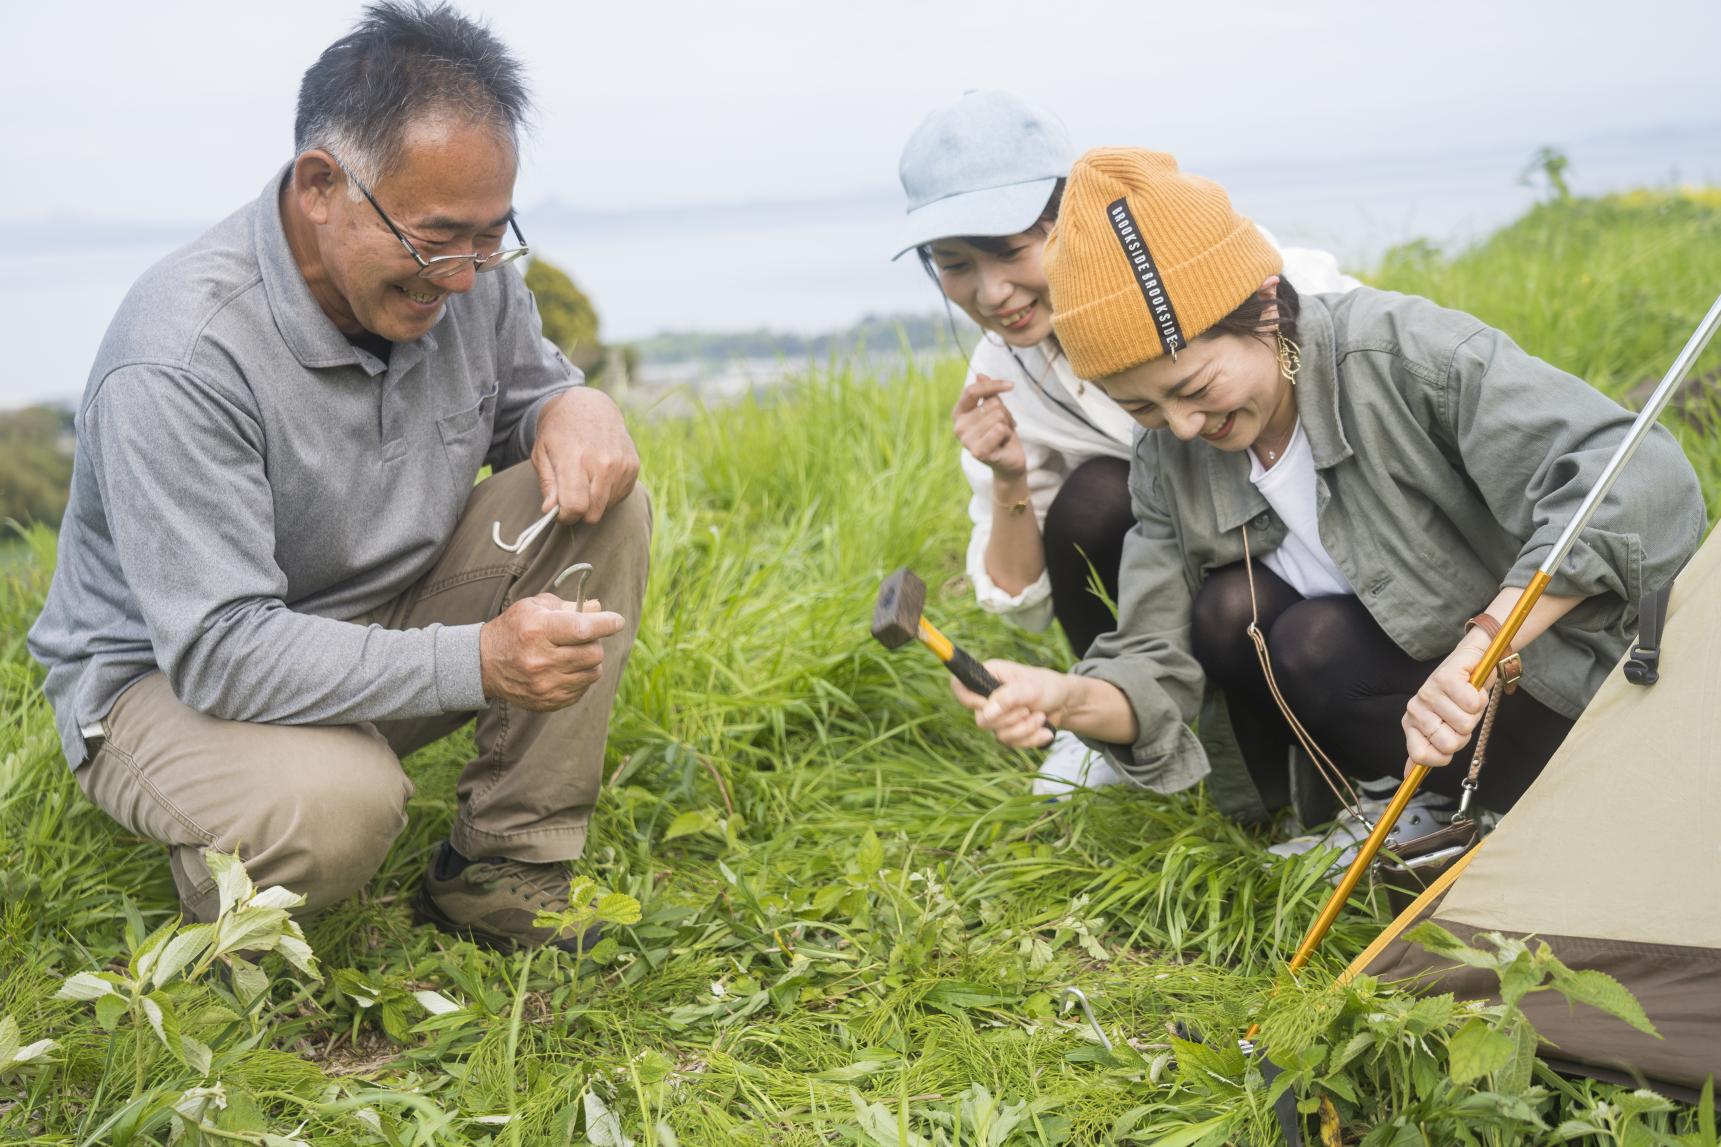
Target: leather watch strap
[(1511, 666)]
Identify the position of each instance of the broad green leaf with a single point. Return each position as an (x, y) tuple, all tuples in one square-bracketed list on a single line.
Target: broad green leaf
[(143, 959), (1359, 1043), (194, 1101), (881, 1126), (249, 981), (653, 1066), (13, 1052), (110, 1010), (617, 908), (1477, 1050), (196, 1053), (1520, 1070), (869, 858), (251, 929), (692, 823), (1444, 944), (86, 986), (275, 896), (189, 944), (1600, 990), (1192, 1133), (30, 1053), (153, 1012), (602, 1126), (298, 953), (231, 880), (435, 1003), (582, 891), (1519, 977)]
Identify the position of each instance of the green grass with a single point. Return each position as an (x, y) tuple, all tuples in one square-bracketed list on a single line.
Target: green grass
[(854, 919)]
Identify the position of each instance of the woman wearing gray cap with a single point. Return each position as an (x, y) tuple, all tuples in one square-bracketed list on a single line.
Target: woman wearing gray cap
[(1045, 453)]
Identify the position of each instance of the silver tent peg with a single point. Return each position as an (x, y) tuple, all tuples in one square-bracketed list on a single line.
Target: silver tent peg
[(1076, 995), (584, 570), (527, 536)]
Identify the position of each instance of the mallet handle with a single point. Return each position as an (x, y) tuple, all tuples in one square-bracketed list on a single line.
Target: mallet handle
[(956, 659)]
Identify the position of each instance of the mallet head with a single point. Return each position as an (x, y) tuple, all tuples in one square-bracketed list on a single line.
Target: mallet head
[(896, 617)]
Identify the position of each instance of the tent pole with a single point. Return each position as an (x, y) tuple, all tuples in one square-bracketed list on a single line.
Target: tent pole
[(1502, 642)]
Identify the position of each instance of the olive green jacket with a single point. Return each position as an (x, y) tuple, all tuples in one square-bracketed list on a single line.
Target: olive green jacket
[(1447, 462)]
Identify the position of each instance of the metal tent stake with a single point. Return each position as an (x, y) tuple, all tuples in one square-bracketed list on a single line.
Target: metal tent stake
[(1503, 640)]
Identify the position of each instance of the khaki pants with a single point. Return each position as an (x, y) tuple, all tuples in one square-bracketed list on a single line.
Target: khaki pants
[(315, 808)]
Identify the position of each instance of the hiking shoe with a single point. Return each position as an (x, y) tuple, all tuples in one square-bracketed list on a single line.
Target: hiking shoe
[(1071, 765), (493, 901)]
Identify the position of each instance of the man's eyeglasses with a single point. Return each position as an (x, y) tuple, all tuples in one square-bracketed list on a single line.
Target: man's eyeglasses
[(443, 266)]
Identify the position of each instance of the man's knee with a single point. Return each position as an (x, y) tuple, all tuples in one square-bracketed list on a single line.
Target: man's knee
[(321, 825)]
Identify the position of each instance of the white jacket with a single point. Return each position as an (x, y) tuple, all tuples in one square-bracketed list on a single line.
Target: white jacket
[(1064, 421)]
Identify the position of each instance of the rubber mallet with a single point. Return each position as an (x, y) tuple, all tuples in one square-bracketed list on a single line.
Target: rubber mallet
[(897, 620)]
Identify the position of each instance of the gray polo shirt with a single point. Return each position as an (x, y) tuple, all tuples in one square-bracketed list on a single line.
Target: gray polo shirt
[(247, 481)]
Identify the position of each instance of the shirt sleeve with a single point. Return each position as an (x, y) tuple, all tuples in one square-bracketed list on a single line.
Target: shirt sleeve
[(1148, 656), (1315, 272), (1535, 440), (531, 370), (187, 500)]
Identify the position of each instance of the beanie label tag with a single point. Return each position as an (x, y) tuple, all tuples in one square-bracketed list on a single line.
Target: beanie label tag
[(1147, 278)]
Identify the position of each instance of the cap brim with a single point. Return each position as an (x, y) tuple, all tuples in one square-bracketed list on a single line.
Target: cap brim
[(1007, 210)]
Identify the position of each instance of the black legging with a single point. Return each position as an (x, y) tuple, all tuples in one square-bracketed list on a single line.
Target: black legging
[(1348, 683), (1086, 524)]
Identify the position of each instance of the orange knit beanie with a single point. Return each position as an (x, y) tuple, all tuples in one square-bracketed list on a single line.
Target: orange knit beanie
[(1144, 258)]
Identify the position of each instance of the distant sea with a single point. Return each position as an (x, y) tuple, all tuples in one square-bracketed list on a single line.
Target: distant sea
[(811, 267)]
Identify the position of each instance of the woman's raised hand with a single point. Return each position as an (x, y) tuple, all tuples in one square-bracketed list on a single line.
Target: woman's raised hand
[(986, 429), (1445, 711), (1022, 710)]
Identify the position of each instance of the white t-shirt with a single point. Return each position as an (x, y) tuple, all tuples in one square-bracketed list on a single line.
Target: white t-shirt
[(1289, 488)]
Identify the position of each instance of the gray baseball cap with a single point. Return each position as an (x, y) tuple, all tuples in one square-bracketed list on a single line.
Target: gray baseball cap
[(983, 165)]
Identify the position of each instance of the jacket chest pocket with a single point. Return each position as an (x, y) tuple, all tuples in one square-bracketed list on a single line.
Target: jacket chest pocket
[(466, 439)]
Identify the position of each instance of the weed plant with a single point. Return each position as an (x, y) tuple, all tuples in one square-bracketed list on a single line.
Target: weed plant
[(838, 916)]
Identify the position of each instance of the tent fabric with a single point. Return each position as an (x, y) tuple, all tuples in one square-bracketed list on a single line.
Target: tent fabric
[(1613, 858)]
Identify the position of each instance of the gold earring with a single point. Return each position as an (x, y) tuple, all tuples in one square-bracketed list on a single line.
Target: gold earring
[(1290, 358)]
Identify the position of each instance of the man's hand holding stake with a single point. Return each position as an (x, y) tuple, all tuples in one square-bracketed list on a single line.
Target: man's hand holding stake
[(543, 654)]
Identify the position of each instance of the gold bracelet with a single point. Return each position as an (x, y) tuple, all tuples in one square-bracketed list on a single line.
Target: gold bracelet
[(1016, 508)]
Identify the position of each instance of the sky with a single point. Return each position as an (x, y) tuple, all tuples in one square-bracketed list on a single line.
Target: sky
[(177, 112), (732, 166)]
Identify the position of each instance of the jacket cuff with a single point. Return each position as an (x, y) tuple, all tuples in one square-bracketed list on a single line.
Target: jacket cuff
[(459, 678), (1166, 757), (1599, 562)]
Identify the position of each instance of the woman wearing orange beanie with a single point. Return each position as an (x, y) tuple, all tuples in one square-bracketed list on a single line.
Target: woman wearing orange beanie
[(1365, 480)]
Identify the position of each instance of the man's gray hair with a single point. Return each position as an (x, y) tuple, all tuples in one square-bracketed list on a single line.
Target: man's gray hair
[(405, 59)]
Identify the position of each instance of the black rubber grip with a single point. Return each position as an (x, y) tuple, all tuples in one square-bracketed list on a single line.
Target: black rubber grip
[(971, 673)]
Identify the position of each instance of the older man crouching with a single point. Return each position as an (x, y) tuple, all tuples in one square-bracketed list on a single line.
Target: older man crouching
[(276, 575)]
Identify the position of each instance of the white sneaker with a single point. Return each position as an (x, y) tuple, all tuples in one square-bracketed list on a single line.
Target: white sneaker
[(1071, 765), (1426, 813)]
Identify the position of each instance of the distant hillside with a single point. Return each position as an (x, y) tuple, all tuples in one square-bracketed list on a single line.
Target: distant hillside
[(35, 463), (922, 332)]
